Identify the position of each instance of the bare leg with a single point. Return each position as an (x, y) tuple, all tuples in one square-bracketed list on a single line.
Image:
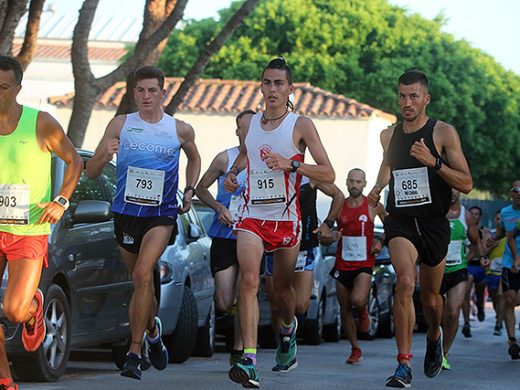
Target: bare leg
[(283, 275), (431, 279), (403, 256), (347, 320), (454, 301), (302, 286), (509, 312)]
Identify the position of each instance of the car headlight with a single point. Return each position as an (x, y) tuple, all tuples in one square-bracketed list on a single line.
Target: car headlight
[(166, 272)]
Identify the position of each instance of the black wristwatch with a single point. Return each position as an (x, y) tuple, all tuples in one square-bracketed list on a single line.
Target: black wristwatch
[(295, 164), (438, 164), (329, 223), (189, 188)]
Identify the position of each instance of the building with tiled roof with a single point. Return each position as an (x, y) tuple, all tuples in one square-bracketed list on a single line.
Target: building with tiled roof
[(349, 129), (50, 72)]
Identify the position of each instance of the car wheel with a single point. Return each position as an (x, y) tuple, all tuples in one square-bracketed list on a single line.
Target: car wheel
[(181, 342), (314, 328), (205, 345), (48, 363), (373, 314), (386, 323), (332, 332)]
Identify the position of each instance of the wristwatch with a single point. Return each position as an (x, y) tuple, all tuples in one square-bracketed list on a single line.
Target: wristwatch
[(329, 223), (438, 164), (189, 188), (62, 201), (295, 164)]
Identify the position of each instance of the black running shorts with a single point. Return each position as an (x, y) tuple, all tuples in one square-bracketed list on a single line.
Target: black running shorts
[(430, 237), (451, 279), (223, 254)]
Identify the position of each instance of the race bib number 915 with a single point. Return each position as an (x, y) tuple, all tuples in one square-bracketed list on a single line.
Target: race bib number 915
[(267, 187)]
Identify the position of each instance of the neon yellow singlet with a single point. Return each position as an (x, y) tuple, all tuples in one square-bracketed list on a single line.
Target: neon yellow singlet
[(25, 178)]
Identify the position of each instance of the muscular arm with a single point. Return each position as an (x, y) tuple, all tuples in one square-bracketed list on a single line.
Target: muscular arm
[(53, 138), (337, 196), (473, 235), (383, 177), (187, 139), (457, 175), (108, 146), (216, 169)]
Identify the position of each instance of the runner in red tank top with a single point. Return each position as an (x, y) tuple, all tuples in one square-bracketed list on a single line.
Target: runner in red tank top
[(355, 258)]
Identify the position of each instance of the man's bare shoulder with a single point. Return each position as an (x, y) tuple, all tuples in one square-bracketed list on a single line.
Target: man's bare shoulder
[(387, 134), (304, 122), (444, 128)]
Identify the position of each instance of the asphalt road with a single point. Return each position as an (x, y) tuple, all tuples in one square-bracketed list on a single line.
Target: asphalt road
[(480, 362)]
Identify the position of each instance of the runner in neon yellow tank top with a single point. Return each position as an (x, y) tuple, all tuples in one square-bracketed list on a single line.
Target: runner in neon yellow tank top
[(453, 287), (27, 139)]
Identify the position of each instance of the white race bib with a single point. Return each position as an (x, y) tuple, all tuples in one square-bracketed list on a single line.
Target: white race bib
[(411, 187), (267, 187), (14, 204), (144, 186), (454, 256), (235, 206), (354, 248), (301, 260)]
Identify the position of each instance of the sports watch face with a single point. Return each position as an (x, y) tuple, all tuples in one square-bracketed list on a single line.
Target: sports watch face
[(61, 201)]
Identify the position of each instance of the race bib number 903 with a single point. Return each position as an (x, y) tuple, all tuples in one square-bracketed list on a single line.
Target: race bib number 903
[(144, 186), (14, 204)]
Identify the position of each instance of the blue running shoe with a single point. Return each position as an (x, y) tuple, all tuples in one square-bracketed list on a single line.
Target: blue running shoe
[(132, 366), (157, 352), (402, 377), (245, 373), (279, 368), (286, 351)]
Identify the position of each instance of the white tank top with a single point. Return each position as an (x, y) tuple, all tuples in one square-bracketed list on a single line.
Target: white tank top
[(271, 195)]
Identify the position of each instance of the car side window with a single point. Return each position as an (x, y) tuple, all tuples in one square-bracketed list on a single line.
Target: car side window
[(109, 177), (87, 189)]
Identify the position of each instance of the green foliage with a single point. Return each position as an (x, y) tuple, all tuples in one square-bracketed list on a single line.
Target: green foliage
[(359, 48)]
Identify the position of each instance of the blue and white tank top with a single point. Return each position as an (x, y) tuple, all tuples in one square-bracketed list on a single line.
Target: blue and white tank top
[(147, 168), (234, 201)]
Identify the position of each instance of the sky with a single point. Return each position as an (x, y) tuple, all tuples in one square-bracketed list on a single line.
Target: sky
[(490, 25)]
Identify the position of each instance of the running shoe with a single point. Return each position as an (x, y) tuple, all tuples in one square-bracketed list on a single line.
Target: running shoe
[(235, 357), (6, 384), (245, 373), (364, 321), (514, 350), (402, 377), (286, 351), (132, 366), (280, 368), (445, 364), (498, 330), (466, 330), (481, 315), (157, 352), (355, 356), (433, 357), (34, 330)]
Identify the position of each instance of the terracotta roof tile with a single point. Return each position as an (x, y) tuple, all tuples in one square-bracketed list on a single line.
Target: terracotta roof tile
[(62, 52), (222, 96)]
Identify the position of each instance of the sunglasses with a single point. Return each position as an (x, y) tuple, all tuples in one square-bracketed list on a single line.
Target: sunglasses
[(515, 189)]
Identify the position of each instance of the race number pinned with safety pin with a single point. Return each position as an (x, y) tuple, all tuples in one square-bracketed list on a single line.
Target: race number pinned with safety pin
[(14, 204), (411, 187), (235, 206), (267, 187), (454, 256), (144, 186), (301, 261), (354, 248)]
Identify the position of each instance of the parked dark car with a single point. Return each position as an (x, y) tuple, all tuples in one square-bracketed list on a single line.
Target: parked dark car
[(87, 288)]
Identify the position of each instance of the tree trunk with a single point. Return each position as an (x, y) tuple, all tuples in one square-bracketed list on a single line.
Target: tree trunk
[(85, 81), (14, 10), (156, 11), (30, 41), (206, 54)]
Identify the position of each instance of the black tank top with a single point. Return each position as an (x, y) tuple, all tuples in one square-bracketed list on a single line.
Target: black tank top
[(309, 216), (399, 158)]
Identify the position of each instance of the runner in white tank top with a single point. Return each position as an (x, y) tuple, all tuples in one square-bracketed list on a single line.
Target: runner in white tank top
[(273, 152)]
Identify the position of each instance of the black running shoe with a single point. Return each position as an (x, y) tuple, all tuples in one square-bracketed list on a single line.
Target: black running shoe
[(245, 373), (466, 330), (402, 377), (433, 357), (132, 366), (157, 352), (514, 351), (481, 315)]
